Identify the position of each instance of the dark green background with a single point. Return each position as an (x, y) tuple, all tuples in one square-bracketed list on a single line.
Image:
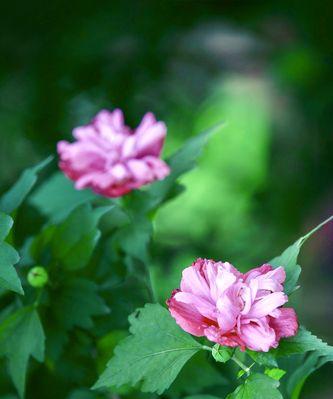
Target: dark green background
[(262, 67)]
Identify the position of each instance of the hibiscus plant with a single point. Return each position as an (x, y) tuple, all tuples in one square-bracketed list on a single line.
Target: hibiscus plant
[(83, 271)]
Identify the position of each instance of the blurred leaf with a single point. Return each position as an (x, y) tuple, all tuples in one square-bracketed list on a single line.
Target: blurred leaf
[(135, 237), (288, 259), (197, 375), (154, 353), (13, 198), (202, 397), (77, 302), (57, 197), (74, 240), (9, 279), (21, 336), (275, 373), (181, 162), (297, 379), (82, 394), (257, 386)]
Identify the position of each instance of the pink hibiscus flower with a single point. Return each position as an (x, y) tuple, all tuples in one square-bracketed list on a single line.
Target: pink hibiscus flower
[(110, 158), (234, 309)]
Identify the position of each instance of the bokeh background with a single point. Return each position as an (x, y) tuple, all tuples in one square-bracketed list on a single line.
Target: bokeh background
[(265, 68)]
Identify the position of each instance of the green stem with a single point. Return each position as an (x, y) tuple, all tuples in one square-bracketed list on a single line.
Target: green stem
[(241, 364), (38, 297), (317, 228), (150, 285)]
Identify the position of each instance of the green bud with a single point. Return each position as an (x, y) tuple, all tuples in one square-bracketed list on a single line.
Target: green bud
[(222, 353), (38, 277)]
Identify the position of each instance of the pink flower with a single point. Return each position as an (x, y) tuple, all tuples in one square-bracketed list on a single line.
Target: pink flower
[(110, 158), (233, 309)]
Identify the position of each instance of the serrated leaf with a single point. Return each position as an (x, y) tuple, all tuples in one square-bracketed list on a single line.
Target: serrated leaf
[(257, 386), (9, 279), (76, 302), (222, 353), (74, 240), (288, 259), (21, 336), (13, 198), (153, 355), (303, 342), (57, 197)]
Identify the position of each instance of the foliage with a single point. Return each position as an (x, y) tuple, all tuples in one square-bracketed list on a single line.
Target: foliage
[(88, 263)]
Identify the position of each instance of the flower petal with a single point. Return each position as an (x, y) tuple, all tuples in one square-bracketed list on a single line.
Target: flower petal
[(286, 325)]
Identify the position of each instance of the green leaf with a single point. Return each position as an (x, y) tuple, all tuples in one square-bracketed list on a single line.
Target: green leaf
[(74, 240), (154, 354), (181, 162), (21, 336), (13, 198), (308, 366), (288, 259), (275, 373), (76, 302), (263, 358), (9, 279), (134, 238), (57, 197), (202, 397), (257, 386), (197, 375), (222, 353), (303, 342)]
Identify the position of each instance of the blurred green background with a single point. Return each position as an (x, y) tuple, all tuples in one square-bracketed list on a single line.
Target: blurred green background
[(265, 68)]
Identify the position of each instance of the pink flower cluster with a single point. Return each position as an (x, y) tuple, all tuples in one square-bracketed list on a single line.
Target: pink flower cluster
[(234, 309), (110, 158)]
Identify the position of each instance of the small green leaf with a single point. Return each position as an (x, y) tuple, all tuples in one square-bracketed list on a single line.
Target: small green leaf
[(76, 302), (288, 259), (9, 279), (257, 386), (222, 353), (13, 198), (275, 373), (74, 240), (21, 336), (154, 354), (57, 197)]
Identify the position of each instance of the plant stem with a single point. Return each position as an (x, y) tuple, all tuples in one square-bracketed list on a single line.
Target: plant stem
[(241, 364), (38, 297), (150, 285), (317, 228)]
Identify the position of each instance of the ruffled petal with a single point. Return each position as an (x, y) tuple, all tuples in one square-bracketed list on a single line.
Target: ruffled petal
[(286, 325), (187, 317), (258, 335)]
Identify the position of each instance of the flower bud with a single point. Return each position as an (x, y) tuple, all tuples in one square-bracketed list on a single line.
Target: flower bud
[(38, 277)]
